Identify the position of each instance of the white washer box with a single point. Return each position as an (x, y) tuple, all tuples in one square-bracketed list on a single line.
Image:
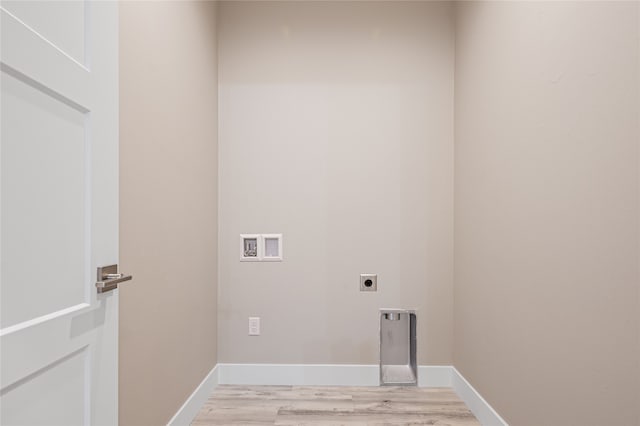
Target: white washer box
[(260, 247)]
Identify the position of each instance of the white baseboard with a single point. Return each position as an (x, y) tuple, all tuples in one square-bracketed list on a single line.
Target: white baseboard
[(330, 375), (434, 376), (323, 375), (196, 400), (299, 374), (480, 408)]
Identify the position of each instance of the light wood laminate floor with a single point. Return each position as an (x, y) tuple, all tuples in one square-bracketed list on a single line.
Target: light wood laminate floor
[(323, 405)]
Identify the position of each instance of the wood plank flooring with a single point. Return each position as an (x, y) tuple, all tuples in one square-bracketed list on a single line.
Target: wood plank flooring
[(323, 405)]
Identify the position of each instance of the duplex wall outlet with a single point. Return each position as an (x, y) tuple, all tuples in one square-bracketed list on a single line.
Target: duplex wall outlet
[(254, 326), (368, 282)]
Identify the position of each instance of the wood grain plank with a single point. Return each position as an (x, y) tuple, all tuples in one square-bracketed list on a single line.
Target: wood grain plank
[(334, 405)]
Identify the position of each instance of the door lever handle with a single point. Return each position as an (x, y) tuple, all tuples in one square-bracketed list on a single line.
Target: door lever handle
[(109, 278), (112, 276)]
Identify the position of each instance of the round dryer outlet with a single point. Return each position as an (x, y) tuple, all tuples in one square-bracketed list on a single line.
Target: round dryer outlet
[(368, 282)]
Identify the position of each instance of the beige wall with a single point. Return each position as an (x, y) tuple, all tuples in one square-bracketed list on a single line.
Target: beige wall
[(168, 223), (336, 129), (546, 224)]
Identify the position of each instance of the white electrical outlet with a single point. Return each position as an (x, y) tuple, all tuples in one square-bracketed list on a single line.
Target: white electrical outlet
[(254, 326)]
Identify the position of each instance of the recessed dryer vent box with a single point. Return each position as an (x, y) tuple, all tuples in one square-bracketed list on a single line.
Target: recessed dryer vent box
[(398, 362)]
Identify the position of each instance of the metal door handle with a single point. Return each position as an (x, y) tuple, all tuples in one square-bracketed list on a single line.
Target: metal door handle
[(109, 278)]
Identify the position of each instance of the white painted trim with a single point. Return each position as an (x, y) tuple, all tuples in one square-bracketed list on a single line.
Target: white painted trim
[(76, 309), (185, 415), (480, 408), (323, 374), (434, 376), (299, 374)]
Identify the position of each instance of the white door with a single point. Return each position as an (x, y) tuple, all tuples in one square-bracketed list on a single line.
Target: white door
[(59, 212)]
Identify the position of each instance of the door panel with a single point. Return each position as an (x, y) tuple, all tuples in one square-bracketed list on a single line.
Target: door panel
[(58, 212), (44, 18), (32, 402), (44, 200)]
